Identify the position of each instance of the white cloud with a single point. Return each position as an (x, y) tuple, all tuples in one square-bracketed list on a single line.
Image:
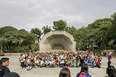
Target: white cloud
[(29, 14)]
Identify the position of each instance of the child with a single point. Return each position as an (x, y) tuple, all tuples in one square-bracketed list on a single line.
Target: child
[(78, 63), (98, 63), (93, 63), (89, 62), (67, 63)]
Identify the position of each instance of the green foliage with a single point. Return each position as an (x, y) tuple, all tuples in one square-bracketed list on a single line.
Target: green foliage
[(81, 38), (72, 30), (23, 31), (25, 48), (46, 29), (98, 24), (59, 25), (111, 42), (113, 27), (37, 32), (6, 29), (34, 47), (112, 32), (29, 39), (12, 40), (114, 16), (98, 31)]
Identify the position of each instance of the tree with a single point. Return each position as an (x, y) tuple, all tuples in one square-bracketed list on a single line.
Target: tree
[(6, 29), (46, 29), (112, 32), (99, 32), (82, 38), (113, 27), (12, 38), (99, 23), (37, 33), (101, 39), (59, 25), (23, 30), (72, 30), (29, 39)]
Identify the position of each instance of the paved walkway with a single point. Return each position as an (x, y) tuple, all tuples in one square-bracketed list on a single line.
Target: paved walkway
[(54, 72)]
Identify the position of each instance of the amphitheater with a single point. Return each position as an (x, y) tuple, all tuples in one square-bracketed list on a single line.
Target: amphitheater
[(57, 40), (54, 72)]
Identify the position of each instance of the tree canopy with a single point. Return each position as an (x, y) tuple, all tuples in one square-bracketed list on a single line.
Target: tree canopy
[(46, 29), (59, 25)]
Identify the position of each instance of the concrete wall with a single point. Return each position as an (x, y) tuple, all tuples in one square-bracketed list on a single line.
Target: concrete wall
[(57, 37), (12, 54)]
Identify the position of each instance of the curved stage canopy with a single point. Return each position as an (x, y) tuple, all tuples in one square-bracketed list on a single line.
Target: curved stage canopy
[(57, 40)]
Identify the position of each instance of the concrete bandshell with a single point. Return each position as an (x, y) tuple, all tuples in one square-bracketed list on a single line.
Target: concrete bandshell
[(57, 40)]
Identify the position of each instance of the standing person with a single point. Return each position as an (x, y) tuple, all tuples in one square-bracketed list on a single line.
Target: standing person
[(84, 71), (64, 72), (4, 62), (109, 58)]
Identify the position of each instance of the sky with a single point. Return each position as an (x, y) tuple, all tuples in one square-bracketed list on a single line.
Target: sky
[(28, 14)]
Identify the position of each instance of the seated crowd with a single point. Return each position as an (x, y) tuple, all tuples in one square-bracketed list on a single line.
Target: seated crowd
[(60, 59), (64, 72)]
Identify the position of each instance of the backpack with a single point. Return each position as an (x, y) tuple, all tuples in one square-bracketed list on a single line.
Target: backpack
[(82, 74)]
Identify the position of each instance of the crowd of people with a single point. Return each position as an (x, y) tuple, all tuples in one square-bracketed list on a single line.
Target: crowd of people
[(60, 59)]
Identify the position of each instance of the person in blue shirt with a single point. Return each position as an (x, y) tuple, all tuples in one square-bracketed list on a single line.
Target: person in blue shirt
[(47, 63), (109, 59), (84, 70), (89, 61)]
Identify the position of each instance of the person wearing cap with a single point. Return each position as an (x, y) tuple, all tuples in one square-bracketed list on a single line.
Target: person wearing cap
[(4, 62)]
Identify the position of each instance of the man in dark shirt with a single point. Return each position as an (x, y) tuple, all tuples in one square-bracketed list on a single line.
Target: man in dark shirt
[(12, 74), (4, 62)]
